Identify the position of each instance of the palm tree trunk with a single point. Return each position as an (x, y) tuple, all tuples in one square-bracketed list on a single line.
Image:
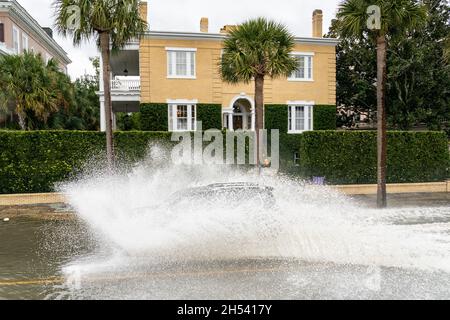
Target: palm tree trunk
[(381, 136), (105, 50), (259, 115), (21, 121)]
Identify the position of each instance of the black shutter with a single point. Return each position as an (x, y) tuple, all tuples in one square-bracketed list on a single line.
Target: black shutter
[(2, 32)]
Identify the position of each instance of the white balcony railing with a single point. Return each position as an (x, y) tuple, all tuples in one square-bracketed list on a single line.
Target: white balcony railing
[(126, 85)]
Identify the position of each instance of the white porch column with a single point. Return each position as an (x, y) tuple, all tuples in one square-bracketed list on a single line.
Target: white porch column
[(114, 121), (102, 101), (230, 122), (253, 121), (102, 116)]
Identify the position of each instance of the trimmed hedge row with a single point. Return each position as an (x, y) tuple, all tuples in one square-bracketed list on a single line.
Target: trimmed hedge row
[(31, 162), (276, 117), (210, 115), (154, 116), (350, 157)]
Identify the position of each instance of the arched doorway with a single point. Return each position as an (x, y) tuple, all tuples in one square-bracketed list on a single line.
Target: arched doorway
[(241, 115)]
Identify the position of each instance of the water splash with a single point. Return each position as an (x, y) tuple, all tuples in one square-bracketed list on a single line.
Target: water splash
[(310, 223)]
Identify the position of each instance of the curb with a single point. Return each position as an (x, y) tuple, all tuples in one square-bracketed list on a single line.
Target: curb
[(368, 189)]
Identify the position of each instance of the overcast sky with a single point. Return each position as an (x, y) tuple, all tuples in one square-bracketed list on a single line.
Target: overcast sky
[(184, 15)]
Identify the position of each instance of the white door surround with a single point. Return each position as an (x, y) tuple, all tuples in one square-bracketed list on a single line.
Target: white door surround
[(238, 115)]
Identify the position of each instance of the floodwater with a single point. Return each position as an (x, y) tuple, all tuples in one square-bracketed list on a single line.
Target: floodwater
[(48, 256)]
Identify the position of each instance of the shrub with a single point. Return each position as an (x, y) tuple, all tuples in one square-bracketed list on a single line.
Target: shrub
[(276, 117), (32, 162), (324, 117), (154, 117), (210, 115), (350, 157)]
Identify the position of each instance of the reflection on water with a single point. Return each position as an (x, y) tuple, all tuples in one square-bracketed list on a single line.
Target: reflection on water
[(33, 251)]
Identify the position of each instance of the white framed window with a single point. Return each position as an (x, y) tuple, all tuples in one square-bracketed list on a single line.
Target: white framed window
[(181, 63), (2, 32), (16, 43), (300, 118), (182, 115), (305, 69), (25, 42)]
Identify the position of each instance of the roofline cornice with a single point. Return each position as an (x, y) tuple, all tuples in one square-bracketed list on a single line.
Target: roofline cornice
[(220, 37), (18, 12)]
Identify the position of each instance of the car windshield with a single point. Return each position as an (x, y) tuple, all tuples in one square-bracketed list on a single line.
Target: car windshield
[(229, 195)]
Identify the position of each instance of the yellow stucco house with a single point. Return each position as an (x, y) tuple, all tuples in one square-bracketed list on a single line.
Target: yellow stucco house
[(174, 78)]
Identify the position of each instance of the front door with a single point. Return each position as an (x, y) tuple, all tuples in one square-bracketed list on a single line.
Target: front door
[(238, 123)]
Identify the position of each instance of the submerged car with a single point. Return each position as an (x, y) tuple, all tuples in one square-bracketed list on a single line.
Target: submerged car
[(227, 195)]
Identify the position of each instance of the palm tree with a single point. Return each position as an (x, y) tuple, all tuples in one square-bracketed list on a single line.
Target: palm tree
[(256, 49), (396, 16), (34, 89), (113, 23)]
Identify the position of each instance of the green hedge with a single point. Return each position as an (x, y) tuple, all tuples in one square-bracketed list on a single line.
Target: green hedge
[(276, 117), (350, 157), (154, 116), (324, 117), (210, 115), (31, 162)]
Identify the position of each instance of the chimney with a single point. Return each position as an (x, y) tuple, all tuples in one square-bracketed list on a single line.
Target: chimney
[(227, 28), (143, 10), (49, 31), (204, 25), (317, 23)]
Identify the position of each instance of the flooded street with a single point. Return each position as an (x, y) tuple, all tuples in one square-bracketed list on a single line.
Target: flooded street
[(56, 257)]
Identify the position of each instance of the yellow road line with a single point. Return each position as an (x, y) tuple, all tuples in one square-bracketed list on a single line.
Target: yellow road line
[(32, 282), (60, 280)]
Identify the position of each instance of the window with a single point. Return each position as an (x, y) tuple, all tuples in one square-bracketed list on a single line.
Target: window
[(305, 67), (182, 117), (24, 42), (16, 44), (2, 32), (300, 118), (297, 159), (181, 63)]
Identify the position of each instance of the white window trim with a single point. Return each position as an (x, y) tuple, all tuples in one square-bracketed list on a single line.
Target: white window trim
[(182, 101), (172, 110), (15, 29), (178, 49), (304, 54), (181, 49), (307, 104), (25, 40)]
